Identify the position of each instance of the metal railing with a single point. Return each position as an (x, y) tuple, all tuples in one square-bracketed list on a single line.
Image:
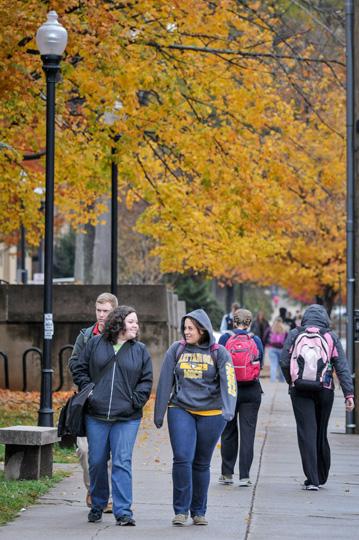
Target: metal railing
[(24, 366), (6, 369), (36, 350), (61, 365)]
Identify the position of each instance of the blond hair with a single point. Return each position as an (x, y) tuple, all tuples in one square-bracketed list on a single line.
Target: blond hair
[(278, 326), (105, 297)]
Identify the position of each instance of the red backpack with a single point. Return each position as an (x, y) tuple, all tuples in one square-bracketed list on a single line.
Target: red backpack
[(245, 357)]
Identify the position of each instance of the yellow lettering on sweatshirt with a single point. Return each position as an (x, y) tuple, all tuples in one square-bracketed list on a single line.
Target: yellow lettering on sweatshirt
[(194, 364), (231, 380)]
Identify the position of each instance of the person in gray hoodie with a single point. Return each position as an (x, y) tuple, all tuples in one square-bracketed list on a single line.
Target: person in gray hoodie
[(312, 407), (197, 388)]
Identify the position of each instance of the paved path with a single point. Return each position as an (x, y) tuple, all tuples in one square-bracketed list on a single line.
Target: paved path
[(275, 507)]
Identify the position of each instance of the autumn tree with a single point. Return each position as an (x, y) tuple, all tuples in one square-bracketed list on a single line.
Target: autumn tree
[(231, 127)]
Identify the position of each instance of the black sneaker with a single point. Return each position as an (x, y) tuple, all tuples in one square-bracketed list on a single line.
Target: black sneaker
[(94, 515), (126, 521)]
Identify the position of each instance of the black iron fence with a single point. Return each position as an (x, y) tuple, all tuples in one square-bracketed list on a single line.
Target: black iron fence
[(25, 366), (6, 368)]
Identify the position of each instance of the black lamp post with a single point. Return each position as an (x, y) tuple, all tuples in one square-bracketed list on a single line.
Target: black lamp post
[(114, 217), (349, 12), (51, 40)]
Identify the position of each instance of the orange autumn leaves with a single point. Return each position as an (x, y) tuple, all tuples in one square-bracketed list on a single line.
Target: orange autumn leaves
[(239, 157)]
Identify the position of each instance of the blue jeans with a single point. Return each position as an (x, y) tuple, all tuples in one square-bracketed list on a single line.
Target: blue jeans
[(193, 440), (275, 371), (117, 438)]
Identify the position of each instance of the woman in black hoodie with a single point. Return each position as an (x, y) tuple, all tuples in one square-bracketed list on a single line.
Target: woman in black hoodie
[(198, 389), (121, 368), (312, 407)]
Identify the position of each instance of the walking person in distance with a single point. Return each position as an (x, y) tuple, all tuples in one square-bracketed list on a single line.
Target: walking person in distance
[(311, 354), (246, 351), (276, 338)]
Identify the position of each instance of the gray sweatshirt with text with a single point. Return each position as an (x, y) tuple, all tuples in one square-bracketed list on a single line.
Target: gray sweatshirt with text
[(197, 380)]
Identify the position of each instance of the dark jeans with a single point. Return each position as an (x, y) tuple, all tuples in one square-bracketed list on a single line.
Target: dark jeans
[(193, 440), (248, 403), (312, 411)]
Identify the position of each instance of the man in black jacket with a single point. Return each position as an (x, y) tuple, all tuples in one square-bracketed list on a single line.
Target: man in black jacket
[(105, 303)]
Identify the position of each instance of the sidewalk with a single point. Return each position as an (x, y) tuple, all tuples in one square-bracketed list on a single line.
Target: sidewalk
[(275, 507)]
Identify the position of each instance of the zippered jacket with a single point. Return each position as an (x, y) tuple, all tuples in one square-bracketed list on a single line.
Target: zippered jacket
[(316, 315), (197, 380), (123, 381)]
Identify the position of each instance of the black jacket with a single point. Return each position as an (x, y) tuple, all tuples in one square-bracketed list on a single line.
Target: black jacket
[(123, 381), (316, 315)]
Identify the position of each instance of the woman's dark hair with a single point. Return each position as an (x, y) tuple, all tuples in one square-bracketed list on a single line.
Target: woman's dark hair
[(205, 336), (115, 322)]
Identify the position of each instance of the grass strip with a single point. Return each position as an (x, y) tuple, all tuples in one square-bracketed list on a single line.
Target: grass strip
[(15, 495)]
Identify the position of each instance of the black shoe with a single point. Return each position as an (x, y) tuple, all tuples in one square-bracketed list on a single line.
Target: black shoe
[(126, 521), (94, 515)]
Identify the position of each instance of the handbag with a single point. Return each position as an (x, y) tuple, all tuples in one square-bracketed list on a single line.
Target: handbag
[(72, 415)]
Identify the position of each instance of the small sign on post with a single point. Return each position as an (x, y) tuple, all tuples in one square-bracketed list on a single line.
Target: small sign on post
[(48, 326)]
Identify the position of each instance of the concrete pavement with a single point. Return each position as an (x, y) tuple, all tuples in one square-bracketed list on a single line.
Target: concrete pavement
[(274, 507)]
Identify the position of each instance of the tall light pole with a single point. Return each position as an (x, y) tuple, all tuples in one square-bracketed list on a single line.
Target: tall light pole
[(51, 40), (114, 217), (110, 118), (349, 14)]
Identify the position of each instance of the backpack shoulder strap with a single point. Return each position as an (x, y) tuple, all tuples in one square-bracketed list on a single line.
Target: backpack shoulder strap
[(88, 333), (180, 348)]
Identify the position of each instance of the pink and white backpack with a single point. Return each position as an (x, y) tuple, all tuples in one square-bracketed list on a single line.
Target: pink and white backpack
[(310, 358)]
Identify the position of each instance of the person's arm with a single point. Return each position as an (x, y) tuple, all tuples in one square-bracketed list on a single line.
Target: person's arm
[(285, 356), (223, 328), (260, 348), (228, 383), (79, 345), (81, 368), (341, 367), (165, 384), (143, 388), (223, 339)]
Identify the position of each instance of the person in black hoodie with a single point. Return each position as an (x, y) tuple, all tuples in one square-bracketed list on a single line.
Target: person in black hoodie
[(198, 389), (121, 368), (312, 408)]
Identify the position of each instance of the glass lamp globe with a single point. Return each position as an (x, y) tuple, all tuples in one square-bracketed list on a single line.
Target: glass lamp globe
[(51, 37)]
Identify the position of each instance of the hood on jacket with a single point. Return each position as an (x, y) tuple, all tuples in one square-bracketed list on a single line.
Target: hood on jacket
[(202, 318), (316, 315)]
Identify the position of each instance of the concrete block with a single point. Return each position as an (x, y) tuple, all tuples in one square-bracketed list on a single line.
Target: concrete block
[(28, 435), (28, 451)]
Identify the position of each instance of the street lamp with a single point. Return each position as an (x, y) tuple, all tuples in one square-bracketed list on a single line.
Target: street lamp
[(51, 40), (349, 13), (110, 118), (114, 218)]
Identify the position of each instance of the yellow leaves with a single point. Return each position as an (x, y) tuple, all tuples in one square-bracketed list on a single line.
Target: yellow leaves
[(220, 147)]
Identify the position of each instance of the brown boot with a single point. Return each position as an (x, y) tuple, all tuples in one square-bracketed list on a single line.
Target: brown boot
[(108, 509)]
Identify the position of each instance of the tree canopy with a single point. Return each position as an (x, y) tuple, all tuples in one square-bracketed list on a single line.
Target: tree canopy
[(229, 124)]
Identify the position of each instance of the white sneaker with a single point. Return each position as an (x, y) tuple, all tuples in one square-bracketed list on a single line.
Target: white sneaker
[(179, 520), (310, 487), (199, 520), (244, 482), (226, 479)]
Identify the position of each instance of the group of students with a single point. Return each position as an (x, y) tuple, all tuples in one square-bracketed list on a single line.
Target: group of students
[(204, 391)]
